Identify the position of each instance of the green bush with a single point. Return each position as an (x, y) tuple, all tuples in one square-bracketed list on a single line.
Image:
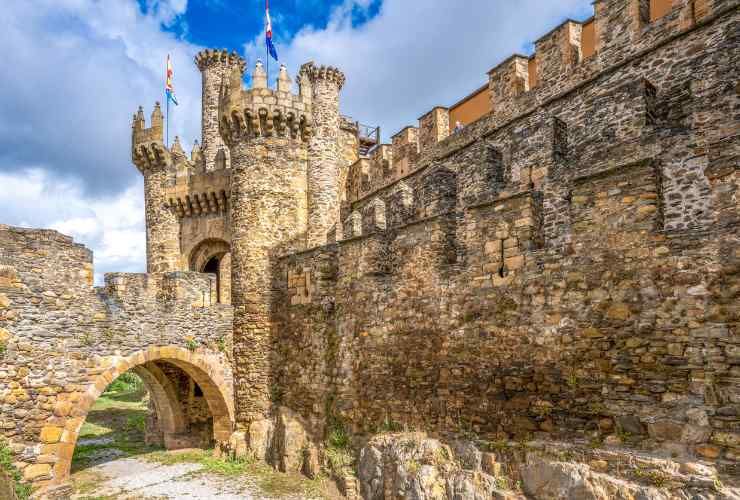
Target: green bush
[(127, 383)]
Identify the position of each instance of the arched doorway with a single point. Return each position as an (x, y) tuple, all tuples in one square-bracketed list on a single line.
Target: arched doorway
[(162, 369), (213, 256)]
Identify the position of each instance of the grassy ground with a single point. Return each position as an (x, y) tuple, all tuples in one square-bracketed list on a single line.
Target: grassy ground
[(116, 422)]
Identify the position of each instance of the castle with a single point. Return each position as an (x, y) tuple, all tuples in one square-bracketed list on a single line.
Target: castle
[(566, 266)]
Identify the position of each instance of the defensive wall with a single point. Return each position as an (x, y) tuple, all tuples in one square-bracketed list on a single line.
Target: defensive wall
[(565, 266)]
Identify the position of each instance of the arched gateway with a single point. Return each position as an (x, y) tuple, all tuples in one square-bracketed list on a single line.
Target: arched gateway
[(205, 370)]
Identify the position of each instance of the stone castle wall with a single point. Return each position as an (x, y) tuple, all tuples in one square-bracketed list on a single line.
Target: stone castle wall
[(566, 265), (61, 337)]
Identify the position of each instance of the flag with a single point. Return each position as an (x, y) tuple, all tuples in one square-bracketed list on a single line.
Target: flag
[(268, 32), (169, 89)]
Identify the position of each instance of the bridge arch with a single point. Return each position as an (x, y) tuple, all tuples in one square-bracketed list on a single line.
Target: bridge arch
[(205, 369)]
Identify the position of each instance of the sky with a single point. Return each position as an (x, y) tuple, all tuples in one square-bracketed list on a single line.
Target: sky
[(77, 70)]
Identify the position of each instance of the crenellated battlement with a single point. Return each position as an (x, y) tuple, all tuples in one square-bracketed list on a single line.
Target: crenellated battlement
[(261, 111), (189, 289), (147, 144), (313, 74), (200, 193), (213, 57), (571, 55)]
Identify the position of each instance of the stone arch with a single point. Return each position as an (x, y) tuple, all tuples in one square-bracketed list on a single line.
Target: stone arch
[(164, 397), (214, 256), (204, 369)]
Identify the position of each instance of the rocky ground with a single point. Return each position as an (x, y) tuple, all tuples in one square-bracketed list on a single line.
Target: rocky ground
[(413, 465)]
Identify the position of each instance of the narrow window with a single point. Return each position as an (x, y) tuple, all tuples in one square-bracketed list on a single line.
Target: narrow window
[(559, 140), (502, 270), (213, 267), (495, 165)]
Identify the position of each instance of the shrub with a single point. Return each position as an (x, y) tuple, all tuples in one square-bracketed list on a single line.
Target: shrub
[(191, 344)]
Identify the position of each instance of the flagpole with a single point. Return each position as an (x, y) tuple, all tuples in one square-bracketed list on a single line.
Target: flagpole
[(167, 105), (267, 50)]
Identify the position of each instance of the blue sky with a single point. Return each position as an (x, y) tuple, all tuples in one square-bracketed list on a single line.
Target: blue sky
[(78, 69), (225, 23)]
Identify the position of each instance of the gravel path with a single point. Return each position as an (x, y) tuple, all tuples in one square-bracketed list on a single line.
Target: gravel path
[(131, 478)]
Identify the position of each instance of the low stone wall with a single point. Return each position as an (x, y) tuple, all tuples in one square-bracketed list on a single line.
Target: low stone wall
[(64, 341)]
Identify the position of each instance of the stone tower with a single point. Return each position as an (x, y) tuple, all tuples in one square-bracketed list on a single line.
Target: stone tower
[(269, 133), (215, 67), (153, 160), (324, 85), (263, 182)]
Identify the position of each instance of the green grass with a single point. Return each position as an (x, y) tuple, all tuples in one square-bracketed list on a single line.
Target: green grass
[(118, 416), (128, 382), (338, 450)]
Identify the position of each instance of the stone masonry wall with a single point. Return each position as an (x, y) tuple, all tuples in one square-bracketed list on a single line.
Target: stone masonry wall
[(567, 265), (60, 335)]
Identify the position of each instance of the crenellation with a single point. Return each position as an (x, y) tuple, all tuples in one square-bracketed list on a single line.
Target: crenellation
[(405, 151), (508, 80), (557, 53), (433, 128), (263, 111)]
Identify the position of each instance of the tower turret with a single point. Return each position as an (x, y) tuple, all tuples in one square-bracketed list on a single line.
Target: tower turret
[(216, 67), (323, 150), (267, 132), (154, 161)]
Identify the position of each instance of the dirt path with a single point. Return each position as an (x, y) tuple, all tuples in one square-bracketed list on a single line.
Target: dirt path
[(134, 478)]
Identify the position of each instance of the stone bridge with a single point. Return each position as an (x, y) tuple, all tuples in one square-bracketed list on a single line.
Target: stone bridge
[(62, 341)]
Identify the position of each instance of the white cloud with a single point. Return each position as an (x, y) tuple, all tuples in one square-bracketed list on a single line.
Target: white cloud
[(80, 68)]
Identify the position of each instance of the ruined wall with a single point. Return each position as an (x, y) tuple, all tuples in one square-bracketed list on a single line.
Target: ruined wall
[(60, 336), (567, 265)]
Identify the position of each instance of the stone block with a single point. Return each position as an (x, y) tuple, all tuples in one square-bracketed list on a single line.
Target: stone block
[(51, 434), (708, 451), (37, 472)]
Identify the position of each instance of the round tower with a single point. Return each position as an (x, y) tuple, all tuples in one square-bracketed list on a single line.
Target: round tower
[(215, 67), (324, 152), (154, 161), (267, 132)]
